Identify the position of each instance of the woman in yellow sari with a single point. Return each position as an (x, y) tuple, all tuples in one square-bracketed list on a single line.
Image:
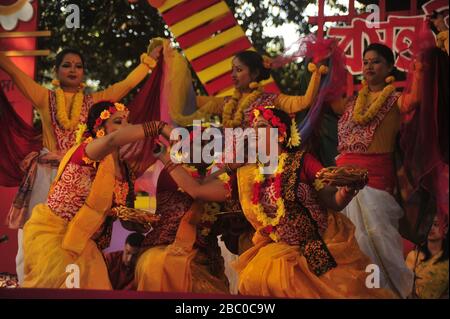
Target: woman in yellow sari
[(249, 71), (302, 248), (182, 252), (429, 262), (60, 110), (69, 231)]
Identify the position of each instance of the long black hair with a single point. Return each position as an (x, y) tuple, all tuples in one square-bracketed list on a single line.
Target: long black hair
[(254, 61), (94, 114), (286, 120), (427, 254)]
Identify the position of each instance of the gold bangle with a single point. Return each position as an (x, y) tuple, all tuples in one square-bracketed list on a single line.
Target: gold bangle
[(148, 61)]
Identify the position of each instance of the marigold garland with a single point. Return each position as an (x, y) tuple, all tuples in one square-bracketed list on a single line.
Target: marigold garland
[(82, 127), (61, 110), (361, 102), (232, 107), (211, 209), (267, 222)]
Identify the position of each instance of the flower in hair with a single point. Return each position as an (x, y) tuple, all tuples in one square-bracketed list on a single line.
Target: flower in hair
[(105, 115), (100, 133), (267, 62)]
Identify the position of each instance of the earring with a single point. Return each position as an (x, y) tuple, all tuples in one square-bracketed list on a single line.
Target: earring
[(56, 83), (390, 79), (253, 85)]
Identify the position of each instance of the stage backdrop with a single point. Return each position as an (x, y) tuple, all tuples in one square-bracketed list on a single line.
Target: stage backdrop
[(18, 26)]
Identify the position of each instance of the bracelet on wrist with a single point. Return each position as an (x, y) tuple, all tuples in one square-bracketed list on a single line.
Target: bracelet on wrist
[(148, 61)]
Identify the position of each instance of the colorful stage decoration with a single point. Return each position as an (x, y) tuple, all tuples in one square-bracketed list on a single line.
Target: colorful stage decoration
[(396, 29), (18, 34), (14, 11), (210, 36)]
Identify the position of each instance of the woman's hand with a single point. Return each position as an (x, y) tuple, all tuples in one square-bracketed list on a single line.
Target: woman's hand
[(161, 152), (156, 52)]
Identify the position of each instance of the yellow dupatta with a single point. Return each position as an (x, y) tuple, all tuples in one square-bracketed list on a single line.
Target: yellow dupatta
[(92, 214), (51, 244)]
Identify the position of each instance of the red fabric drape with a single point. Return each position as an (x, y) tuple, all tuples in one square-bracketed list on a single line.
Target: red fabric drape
[(424, 144), (145, 107), (17, 140)]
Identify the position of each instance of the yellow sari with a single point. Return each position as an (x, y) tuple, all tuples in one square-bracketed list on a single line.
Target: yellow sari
[(179, 267), (51, 244), (277, 269)]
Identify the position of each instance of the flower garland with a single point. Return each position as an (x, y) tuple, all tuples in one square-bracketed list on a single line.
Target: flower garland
[(269, 223), (148, 61), (232, 106), (86, 159), (211, 209), (267, 113), (209, 217), (226, 180), (362, 118), (61, 111)]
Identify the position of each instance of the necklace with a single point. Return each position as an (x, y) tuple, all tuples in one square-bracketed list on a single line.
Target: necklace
[(269, 222), (61, 110), (361, 102), (230, 107)]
